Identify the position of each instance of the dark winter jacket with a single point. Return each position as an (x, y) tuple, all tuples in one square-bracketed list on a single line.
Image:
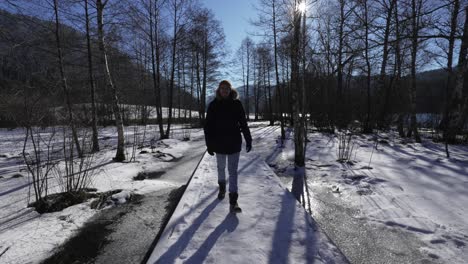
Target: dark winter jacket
[(225, 120)]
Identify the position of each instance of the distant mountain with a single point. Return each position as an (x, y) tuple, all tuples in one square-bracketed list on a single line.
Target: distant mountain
[(28, 62)]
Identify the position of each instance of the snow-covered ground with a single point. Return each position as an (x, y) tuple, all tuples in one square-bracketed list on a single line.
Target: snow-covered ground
[(399, 185), (407, 187), (28, 237), (132, 111), (272, 228)]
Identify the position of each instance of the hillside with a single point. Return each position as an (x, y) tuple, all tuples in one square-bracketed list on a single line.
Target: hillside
[(29, 67)]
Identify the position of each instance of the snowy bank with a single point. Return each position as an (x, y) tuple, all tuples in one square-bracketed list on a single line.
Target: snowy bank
[(29, 237)]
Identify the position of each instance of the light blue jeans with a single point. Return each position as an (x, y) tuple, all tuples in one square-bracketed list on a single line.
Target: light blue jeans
[(233, 162)]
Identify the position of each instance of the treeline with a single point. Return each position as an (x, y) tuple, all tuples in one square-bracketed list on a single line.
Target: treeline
[(62, 58), (33, 62), (351, 66), (359, 60)]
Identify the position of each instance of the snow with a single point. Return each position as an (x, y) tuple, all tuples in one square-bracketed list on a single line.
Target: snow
[(407, 187), (31, 237), (273, 227), (28, 237), (121, 197), (399, 185), (130, 111)]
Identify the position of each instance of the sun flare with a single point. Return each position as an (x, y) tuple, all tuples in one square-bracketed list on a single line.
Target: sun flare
[(302, 7)]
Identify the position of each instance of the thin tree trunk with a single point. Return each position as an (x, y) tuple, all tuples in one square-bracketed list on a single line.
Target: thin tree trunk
[(205, 75), (255, 91), (179, 87), (192, 81), (120, 154), (201, 110), (339, 103), (66, 91), (290, 94), (299, 159), (416, 11), (304, 110), (398, 65), (95, 147), (459, 104), (382, 77), (266, 110), (449, 83), (367, 126), (278, 86), (247, 104), (155, 62), (171, 80), (183, 85), (272, 120)]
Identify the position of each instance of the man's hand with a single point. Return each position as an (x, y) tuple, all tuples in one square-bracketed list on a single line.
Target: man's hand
[(210, 152), (248, 147)]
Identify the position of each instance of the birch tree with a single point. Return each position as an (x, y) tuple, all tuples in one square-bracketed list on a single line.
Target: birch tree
[(120, 154), (299, 133), (95, 146)]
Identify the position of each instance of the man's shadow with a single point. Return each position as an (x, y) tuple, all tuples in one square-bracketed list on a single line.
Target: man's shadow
[(229, 224)]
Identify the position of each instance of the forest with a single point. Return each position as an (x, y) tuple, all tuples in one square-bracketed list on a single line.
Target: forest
[(80, 79), (380, 63)]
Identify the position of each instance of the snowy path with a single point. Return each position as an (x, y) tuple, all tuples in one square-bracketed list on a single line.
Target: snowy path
[(273, 227)]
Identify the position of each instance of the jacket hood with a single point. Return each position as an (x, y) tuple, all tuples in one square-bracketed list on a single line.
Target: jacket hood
[(234, 95)]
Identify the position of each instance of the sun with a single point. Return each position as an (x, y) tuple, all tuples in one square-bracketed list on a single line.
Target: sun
[(302, 7)]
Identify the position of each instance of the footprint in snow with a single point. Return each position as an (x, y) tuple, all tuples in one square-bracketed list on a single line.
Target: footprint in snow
[(438, 241), (459, 243)]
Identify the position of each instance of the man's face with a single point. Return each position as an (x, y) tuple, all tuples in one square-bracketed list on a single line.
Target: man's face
[(224, 91)]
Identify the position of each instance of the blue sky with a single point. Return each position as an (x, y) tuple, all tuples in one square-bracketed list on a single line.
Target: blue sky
[(234, 16)]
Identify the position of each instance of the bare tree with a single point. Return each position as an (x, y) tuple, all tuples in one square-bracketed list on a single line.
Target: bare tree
[(453, 20), (299, 133), (207, 44), (365, 24), (416, 12), (155, 45), (91, 82), (247, 51), (64, 81), (399, 69), (270, 21), (459, 104), (388, 7), (343, 19), (120, 154), (264, 67), (179, 9)]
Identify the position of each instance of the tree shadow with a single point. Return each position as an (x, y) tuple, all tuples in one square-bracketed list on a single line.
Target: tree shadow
[(247, 164), (17, 188), (266, 132), (429, 171), (17, 220), (278, 148), (229, 224), (178, 247), (282, 237)]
